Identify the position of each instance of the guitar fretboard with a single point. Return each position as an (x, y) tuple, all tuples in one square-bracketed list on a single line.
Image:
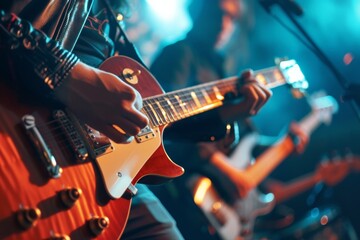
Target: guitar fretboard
[(180, 104)]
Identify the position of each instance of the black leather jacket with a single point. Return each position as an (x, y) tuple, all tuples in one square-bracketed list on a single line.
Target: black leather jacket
[(61, 20)]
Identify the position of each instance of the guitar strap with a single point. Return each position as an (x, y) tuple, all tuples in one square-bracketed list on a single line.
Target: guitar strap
[(122, 42)]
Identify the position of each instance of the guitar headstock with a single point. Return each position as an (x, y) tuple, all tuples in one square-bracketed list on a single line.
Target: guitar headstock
[(324, 106), (293, 76), (335, 170), (354, 162), (332, 172)]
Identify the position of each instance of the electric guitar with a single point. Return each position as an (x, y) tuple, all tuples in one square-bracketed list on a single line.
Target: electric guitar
[(237, 221)]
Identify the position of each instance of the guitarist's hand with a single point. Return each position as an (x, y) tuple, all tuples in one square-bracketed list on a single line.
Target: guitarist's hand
[(254, 94), (237, 176), (103, 101), (302, 138)]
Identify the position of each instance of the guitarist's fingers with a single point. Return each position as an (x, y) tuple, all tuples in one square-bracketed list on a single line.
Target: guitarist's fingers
[(114, 131), (255, 96), (251, 98), (302, 138), (115, 134), (133, 113), (263, 96), (132, 121), (126, 126), (255, 93)]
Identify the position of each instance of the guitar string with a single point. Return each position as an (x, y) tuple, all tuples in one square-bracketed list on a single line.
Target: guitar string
[(53, 132)]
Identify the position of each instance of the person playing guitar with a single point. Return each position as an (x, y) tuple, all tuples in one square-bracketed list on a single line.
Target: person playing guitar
[(56, 85)]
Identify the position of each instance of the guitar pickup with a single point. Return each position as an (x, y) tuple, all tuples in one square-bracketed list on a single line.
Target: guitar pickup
[(72, 135), (85, 141)]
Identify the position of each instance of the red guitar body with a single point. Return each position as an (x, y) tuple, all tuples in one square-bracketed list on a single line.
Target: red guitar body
[(26, 188)]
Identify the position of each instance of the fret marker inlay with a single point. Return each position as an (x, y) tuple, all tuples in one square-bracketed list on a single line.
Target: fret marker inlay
[(196, 100), (206, 96), (218, 94), (181, 104)]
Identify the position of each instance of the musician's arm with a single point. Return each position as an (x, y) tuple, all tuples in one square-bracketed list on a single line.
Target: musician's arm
[(49, 70), (300, 139), (237, 177)]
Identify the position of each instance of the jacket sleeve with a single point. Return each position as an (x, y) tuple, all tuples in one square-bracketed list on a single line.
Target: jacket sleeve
[(61, 20)]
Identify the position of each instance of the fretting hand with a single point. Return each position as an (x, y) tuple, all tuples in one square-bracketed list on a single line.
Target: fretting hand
[(302, 138), (255, 96)]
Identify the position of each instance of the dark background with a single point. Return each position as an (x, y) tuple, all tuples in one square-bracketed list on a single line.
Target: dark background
[(335, 26)]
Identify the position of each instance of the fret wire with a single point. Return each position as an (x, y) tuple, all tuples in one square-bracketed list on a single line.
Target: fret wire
[(189, 104), (171, 109), (162, 110), (149, 114), (180, 98), (155, 119), (158, 112), (163, 107), (151, 105), (152, 114), (167, 109), (200, 98), (176, 104)]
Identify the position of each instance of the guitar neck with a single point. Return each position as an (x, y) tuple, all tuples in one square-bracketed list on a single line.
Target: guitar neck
[(268, 161), (177, 105), (273, 156), (310, 122)]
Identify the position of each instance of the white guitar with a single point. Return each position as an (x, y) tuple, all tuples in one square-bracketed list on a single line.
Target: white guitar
[(236, 222)]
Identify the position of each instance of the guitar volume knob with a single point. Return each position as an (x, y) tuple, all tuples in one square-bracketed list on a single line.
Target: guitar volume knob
[(98, 225), (69, 196), (28, 217)]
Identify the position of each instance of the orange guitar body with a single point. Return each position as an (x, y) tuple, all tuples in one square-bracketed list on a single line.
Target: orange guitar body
[(26, 190)]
